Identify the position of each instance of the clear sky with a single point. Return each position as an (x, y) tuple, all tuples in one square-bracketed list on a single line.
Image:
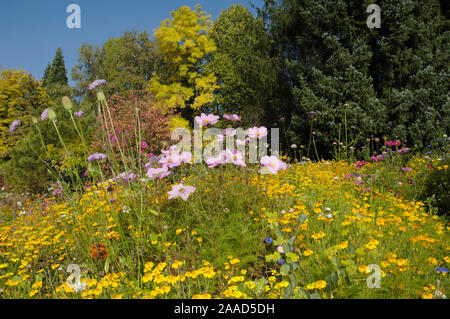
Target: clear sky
[(32, 30)]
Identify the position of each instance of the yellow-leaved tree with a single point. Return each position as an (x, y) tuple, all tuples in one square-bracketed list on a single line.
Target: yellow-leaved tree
[(20, 96), (184, 43)]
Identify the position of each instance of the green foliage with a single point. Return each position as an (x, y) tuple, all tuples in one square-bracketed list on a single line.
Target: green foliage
[(20, 96), (125, 63), (40, 159), (394, 79), (245, 70), (57, 74), (437, 190)]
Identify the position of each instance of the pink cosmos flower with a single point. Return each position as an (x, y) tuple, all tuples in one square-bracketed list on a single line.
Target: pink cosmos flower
[(272, 164), (182, 191), (233, 117), (216, 161), (229, 131), (171, 160), (257, 132), (234, 157), (161, 172), (186, 157), (204, 119), (126, 177)]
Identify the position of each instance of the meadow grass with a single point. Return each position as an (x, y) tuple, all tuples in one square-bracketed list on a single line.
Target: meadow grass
[(313, 230)]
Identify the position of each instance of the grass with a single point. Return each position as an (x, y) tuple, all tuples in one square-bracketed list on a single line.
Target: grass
[(327, 229), (131, 241)]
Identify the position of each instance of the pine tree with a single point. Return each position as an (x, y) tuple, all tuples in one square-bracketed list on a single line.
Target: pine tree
[(390, 82), (58, 72), (46, 74)]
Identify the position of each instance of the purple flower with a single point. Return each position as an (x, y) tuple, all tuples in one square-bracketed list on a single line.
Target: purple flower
[(57, 192), (125, 177), (44, 114), (281, 261), (360, 164), (96, 157), (96, 83), (78, 114), (268, 240), (144, 145), (406, 169), (14, 125)]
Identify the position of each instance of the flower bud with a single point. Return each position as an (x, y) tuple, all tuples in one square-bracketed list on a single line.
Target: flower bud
[(51, 114), (101, 96), (67, 103)]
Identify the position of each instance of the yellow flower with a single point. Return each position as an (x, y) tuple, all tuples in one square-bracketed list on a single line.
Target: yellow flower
[(37, 285), (318, 235), (363, 269), (203, 296), (176, 264), (432, 261), (308, 252), (234, 261), (427, 295), (250, 284), (320, 284), (33, 292), (148, 267)]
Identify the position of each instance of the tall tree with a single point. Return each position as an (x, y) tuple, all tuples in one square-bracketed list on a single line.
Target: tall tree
[(21, 96), (57, 73), (386, 81), (127, 62), (46, 74), (244, 65), (184, 43)]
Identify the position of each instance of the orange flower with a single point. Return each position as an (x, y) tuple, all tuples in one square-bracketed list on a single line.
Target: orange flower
[(98, 251)]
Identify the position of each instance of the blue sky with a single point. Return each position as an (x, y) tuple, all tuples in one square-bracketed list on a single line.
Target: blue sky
[(31, 30)]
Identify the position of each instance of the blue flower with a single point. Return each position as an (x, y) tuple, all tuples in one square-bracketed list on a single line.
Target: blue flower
[(268, 240), (281, 261), (442, 269)]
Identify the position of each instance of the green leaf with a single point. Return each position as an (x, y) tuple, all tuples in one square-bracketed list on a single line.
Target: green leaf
[(107, 262), (294, 265), (335, 261), (284, 270), (302, 218), (291, 240), (154, 212)]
